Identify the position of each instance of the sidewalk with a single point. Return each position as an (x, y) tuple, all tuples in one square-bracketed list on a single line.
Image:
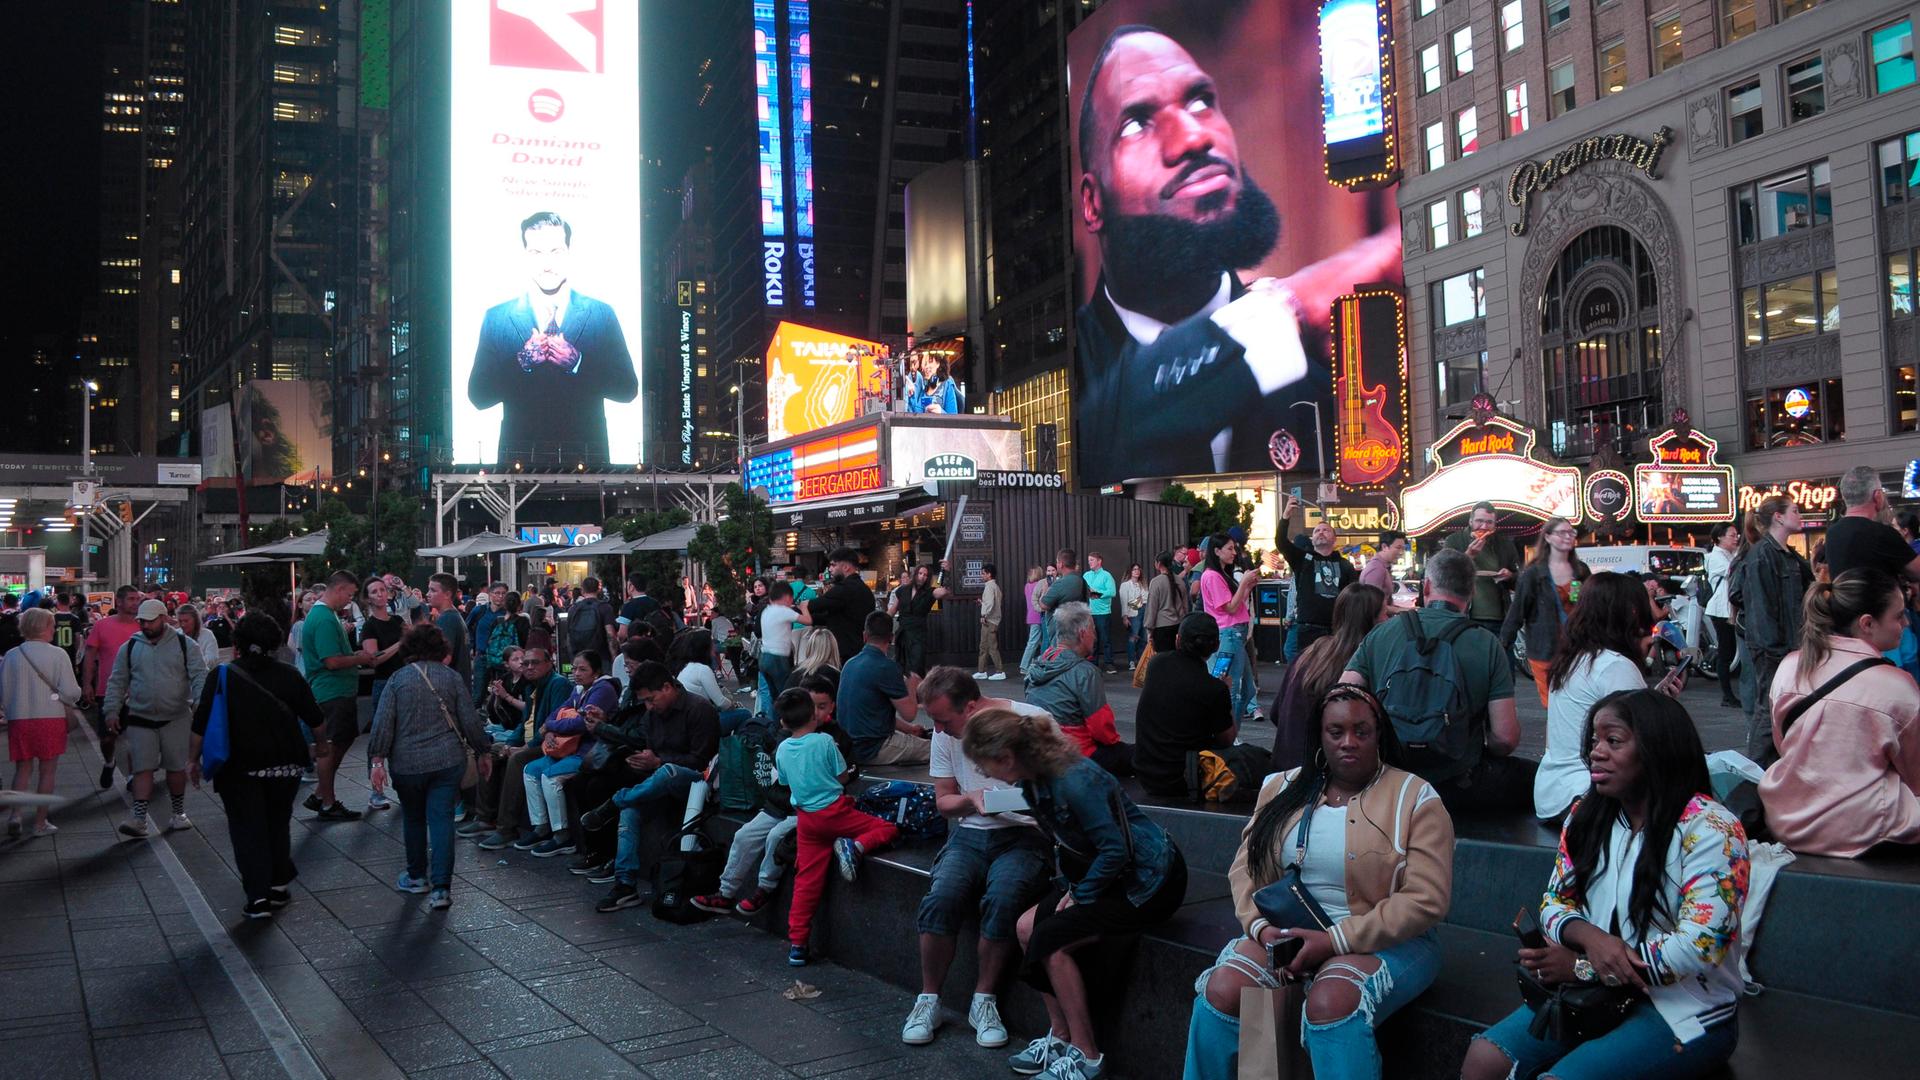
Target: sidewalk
[(125, 958)]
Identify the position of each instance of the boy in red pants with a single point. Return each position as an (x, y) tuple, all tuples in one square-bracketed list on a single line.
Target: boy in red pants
[(810, 764)]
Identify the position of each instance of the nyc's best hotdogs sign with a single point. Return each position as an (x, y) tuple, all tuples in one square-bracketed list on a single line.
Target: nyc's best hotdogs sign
[(1489, 458)]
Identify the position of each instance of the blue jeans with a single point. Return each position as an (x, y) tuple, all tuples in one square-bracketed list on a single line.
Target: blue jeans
[(774, 672), (1642, 1046), (1342, 1049), (1136, 636), (426, 816), (1102, 639), (1290, 648), (1034, 634), (732, 719), (999, 873), (663, 792), (546, 796), (1233, 646)]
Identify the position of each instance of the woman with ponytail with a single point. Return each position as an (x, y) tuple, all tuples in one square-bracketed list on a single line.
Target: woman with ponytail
[(1769, 584), (1848, 777), (1377, 859), (1122, 875)]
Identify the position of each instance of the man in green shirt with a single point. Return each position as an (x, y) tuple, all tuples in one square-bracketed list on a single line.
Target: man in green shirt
[(332, 667), (1496, 562), (1487, 776), (1100, 591)]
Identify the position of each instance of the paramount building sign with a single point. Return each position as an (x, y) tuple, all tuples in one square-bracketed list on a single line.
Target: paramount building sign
[(1530, 177)]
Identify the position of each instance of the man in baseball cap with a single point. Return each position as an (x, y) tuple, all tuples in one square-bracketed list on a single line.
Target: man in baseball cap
[(148, 705)]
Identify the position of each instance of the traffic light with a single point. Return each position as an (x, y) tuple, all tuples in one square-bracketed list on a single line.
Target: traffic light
[(126, 513)]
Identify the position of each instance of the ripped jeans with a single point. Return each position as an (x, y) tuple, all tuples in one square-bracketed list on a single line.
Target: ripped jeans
[(1343, 1049)]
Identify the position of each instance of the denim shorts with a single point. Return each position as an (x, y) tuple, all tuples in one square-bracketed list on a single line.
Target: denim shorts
[(1643, 1046), (997, 872)]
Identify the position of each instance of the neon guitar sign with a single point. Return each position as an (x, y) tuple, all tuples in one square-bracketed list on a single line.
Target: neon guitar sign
[(1369, 330)]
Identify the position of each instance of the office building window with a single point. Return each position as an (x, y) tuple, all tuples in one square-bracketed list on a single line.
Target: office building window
[(1743, 111), (1436, 140), (1560, 95), (1900, 285), (1466, 124), (1430, 77), (1806, 414), (1513, 25), (1784, 202), (1460, 298), (1462, 51), (1558, 12), (1470, 214), (1457, 380), (1893, 57), (1783, 310), (1518, 118), (1424, 7), (1737, 20), (1906, 413), (1613, 66), (1899, 167), (1790, 8), (1439, 228), (1667, 50), (1806, 89)]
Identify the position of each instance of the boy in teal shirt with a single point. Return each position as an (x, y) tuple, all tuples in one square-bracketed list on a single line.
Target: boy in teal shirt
[(809, 762)]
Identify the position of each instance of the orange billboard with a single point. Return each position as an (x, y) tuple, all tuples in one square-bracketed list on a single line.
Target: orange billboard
[(816, 379)]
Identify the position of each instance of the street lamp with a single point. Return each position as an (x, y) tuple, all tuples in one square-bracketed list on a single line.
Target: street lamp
[(88, 388)]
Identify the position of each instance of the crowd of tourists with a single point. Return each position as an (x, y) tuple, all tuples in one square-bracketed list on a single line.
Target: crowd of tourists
[(602, 730)]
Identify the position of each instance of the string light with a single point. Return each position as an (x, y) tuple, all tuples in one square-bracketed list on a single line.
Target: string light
[(1346, 325)]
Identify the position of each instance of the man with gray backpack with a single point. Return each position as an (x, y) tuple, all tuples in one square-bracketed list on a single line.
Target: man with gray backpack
[(1447, 688)]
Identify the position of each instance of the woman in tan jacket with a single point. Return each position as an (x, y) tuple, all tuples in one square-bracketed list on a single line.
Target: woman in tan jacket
[(1376, 856)]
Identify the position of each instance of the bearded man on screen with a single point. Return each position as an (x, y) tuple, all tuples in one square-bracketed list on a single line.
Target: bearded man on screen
[(1184, 368), (551, 356)]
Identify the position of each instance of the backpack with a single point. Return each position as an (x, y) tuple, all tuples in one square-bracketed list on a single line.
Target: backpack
[(583, 626), (908, 805), (678, 875), (9, 632), (1230, 772), (744, 769), (1425, 696)]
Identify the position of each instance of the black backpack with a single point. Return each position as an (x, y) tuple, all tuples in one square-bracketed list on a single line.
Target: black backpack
[(679, 876), (9, 632), (1425, 696), (583, 626)]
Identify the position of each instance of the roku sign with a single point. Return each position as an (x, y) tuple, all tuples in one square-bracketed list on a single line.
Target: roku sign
[(773, 261)]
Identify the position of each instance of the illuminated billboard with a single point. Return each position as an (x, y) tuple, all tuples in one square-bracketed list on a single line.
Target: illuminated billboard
[(545, 194), (1369, 331), (1356, 92), (800, 67), (816, 379), (1488, 458), (286, 432), (1684, 484), (1205, 303), (844, 464)]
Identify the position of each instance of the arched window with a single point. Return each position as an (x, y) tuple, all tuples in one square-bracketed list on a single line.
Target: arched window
[(1600, 343)]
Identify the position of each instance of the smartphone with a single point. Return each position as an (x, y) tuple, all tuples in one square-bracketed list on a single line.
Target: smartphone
[(1219, 666), (1526, 925), (1281, 953)]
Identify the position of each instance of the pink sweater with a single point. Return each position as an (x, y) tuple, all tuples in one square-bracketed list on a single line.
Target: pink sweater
[(1849, 771)]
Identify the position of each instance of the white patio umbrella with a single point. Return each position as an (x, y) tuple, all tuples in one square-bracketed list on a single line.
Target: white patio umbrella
[(292, 551), (480, 544)]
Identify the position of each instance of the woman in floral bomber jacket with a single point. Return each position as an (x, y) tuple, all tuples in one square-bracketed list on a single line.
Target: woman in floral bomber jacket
[(1646, 894)]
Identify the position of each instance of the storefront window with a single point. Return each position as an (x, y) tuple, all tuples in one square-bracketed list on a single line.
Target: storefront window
[(1893, 57), (1806, 414), (1906, 412)]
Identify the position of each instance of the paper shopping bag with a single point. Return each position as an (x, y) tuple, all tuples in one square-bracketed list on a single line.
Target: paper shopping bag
[(1270, 1035)]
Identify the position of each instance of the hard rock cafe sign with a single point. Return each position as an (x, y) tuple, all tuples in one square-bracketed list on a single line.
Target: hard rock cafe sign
[(1488, 458), (1531, 177)]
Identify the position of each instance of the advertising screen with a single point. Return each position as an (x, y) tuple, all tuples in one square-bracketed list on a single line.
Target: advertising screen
[(545, 194), (1209, 248), (286, 432), (844, 464), (1355, 87), (1370, 345), (816, 379)]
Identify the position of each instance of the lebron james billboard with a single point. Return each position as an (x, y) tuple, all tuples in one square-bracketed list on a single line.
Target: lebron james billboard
[(545, 191), (1215, 223)]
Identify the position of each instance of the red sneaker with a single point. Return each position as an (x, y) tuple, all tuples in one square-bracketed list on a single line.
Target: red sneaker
[(714, 902), (752, 904)]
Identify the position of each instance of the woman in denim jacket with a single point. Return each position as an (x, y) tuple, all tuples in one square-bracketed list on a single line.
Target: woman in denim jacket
[(1117, 873), (1769, 584)]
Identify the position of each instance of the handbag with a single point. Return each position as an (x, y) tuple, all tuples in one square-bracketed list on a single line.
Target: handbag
[(559, 746), (1574, 1012), (216, 745), (1286, 903), (472, 775), (74, 716)]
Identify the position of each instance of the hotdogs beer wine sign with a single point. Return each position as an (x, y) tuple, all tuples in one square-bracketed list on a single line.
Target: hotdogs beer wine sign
[(1489, 458), (1683, 484)]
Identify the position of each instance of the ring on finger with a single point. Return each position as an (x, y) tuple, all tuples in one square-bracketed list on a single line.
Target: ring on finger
[(1610, 980)]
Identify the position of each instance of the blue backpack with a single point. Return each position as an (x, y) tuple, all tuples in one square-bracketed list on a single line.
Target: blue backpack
[(908, 805)]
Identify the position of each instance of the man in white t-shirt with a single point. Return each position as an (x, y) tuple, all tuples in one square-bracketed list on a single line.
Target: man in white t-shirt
[(997, 864)]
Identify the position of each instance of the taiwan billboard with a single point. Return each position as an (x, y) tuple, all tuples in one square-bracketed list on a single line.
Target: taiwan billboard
[(816, 379), (545, 193), (1210, 241)]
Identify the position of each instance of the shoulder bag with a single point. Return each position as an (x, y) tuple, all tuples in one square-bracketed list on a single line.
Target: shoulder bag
[(1286, 903), (472, 775), (73, 715), (1571, 1013), (1744, 798)]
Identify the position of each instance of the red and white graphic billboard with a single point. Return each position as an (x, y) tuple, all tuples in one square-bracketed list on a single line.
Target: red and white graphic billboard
[(545, 194)]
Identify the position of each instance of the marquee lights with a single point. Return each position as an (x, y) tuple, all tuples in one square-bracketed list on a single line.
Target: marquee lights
[(1371, 388), (1684, 484), (1489, 458)]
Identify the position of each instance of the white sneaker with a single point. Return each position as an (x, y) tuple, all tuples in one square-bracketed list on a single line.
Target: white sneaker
[(923, 1021), (984, 1016), (178, 822), (980, 674), (998, 676), (134, 827)]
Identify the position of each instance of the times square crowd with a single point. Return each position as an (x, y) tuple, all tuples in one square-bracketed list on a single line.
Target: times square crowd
[(571, 723)]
